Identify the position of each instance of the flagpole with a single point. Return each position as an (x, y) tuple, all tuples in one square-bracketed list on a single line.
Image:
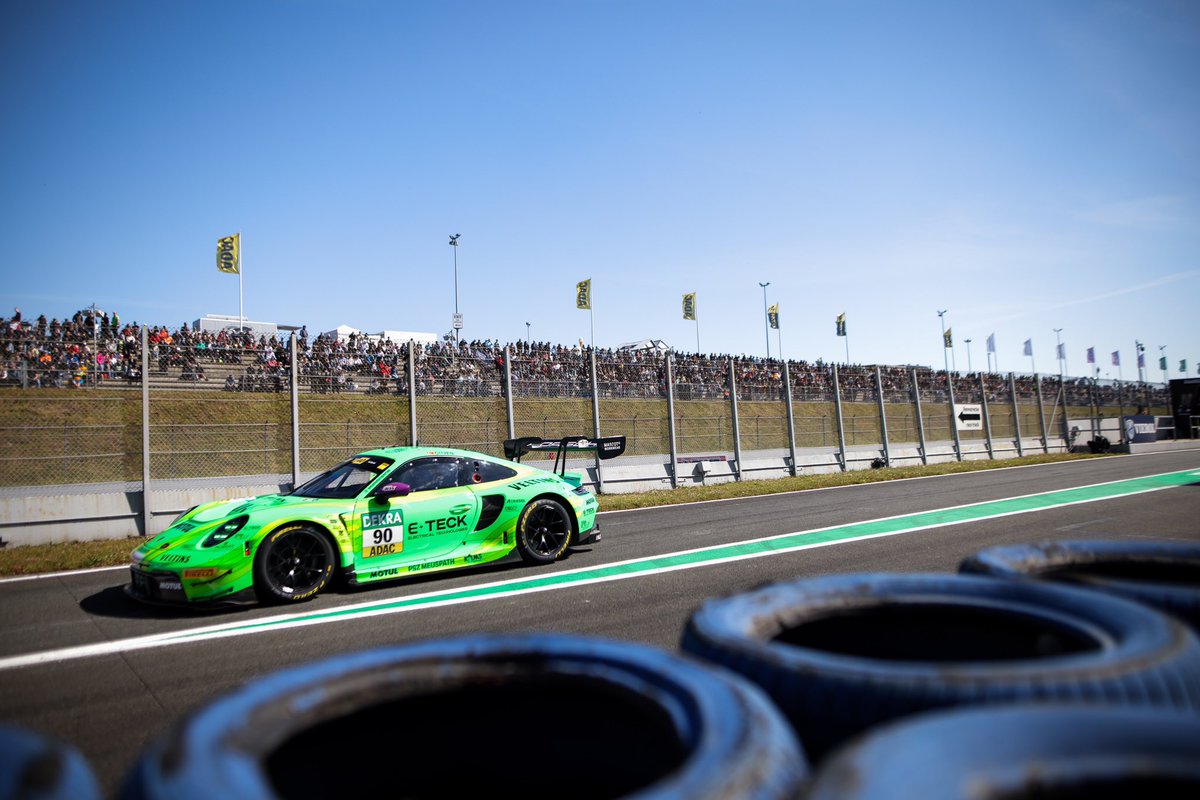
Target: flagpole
[(592, 319), (697, 334), (241, 296)]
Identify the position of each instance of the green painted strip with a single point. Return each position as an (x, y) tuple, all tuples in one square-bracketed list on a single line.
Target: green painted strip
[(741, 550)]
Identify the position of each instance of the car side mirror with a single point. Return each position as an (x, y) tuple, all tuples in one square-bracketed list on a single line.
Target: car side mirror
[(390, 490)]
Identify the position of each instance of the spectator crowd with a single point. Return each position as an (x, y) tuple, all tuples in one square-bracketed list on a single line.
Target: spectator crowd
[(94, 348)]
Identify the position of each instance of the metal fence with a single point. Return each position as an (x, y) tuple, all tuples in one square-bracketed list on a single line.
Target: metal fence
[(160, 408)]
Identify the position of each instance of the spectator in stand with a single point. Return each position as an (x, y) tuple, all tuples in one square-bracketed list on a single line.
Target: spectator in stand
[(90, 348)]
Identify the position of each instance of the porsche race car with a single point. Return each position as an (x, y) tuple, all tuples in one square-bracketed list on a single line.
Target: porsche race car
[(380, 515)]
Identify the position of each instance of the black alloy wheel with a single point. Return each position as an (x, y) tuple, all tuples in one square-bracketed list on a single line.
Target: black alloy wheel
[(543, 531), (293, 564)]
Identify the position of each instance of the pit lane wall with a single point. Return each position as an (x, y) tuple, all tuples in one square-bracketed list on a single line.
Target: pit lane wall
[(74, 457), (43, 515)]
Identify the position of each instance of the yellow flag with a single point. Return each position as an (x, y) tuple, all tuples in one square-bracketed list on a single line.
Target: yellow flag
[(773, 316), (689, 306), (583, 294), (229, 254)]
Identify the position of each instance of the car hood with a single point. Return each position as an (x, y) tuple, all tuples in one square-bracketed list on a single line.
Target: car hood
[(224, 509), (182, 542)]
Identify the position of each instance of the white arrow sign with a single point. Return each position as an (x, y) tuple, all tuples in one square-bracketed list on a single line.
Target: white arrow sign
[(968, 416)]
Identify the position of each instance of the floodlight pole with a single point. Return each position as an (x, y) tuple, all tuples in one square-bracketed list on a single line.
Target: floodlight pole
[(454, 244), (766, 321)]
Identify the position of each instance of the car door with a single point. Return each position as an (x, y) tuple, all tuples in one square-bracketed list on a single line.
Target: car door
[(427, 524)]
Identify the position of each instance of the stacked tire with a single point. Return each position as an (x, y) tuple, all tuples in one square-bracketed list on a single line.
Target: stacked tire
[(510, 716), (35, 767), (1016, 678), (1021, 752), (1165, 575)]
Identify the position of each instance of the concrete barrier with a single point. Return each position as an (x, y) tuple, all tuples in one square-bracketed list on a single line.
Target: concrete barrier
[(84, 512)]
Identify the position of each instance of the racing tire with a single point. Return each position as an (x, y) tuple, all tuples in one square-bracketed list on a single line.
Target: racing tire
[(843, 653), (1165, 575), (1020, 752), (543, 531), (529, 716), (35, 766), (293, 564)]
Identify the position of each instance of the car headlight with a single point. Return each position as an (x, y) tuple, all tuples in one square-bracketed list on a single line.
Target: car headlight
[(225, 530)]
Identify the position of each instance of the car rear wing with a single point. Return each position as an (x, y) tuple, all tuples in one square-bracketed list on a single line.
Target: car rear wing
[(605, 447)]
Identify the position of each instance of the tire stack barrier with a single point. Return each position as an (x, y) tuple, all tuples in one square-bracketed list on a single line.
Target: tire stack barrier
[(508, 716), (842, 654), (1165, 575), (34, 767), (1040, 678)]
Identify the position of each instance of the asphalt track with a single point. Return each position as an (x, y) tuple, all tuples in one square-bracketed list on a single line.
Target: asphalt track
[(81, 662)]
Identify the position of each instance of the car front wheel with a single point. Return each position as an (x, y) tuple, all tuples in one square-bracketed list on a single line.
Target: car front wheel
[(293, 564)]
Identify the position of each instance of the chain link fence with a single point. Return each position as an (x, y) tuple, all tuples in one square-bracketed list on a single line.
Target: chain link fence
[(54, 437), (223, 405), (762, 409), (632, 392), (234, 417)]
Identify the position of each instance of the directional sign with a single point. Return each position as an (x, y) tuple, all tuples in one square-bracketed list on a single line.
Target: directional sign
[(968, 416)]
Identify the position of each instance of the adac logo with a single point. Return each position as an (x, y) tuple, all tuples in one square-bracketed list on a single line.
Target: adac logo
[(227, 256)]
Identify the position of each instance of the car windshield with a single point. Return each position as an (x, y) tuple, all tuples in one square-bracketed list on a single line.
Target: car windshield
[(345, 480)]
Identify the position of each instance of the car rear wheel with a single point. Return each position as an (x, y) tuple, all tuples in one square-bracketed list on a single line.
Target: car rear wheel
[(543, 531), (293, 564)]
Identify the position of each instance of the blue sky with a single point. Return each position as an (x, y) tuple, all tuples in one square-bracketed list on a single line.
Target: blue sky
[(1025, 165)]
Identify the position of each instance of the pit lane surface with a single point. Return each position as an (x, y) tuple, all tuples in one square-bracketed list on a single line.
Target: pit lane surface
[(111, 705)]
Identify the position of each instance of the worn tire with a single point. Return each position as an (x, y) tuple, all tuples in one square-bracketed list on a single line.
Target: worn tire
[(1020, 752), (293, 564), (843, 653), (543, 531), (1165, 575), (34, 767), (506, 716)]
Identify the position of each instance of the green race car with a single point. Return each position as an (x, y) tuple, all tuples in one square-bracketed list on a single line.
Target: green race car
[(381, 515)]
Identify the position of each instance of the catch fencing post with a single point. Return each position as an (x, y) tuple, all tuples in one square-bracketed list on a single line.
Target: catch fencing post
[(295, 389), (887, 453), (146, 431), (508, 395), (596, 418), (1037, 389), (953, 421), (737, 432), (671, 420), (837, 407), (1120, 412), (791, 420), (987, 421), (916, 390), (1066, 425), (1012, 392), (411, 366)]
